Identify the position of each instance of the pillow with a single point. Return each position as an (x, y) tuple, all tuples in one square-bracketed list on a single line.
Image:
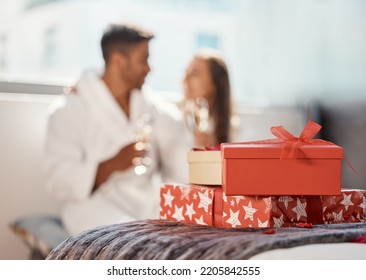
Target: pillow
[(41, 233)]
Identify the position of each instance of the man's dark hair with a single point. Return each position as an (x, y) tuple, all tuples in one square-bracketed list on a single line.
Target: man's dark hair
[(121, 37)]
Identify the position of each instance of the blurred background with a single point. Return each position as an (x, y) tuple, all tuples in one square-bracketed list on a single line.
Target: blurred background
[(289, 61), (277, 50)]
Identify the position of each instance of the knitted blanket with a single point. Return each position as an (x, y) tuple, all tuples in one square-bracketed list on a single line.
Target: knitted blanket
[(157, 239)]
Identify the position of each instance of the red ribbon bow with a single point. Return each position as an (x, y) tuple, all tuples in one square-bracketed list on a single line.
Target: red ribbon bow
[(292, 143), (310, 130)]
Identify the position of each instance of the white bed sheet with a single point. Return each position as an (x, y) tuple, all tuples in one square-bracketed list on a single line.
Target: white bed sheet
[(329, 251)]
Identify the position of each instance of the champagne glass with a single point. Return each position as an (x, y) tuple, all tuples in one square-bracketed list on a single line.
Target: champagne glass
[(143, 139), (197, 114)]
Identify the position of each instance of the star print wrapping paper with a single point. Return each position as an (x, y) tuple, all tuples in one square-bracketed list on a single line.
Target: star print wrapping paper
[(282, 211), (210, 206), (189, 203)]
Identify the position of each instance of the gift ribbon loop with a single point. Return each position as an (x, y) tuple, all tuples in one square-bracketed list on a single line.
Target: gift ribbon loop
[(292, 143), (310, 130)]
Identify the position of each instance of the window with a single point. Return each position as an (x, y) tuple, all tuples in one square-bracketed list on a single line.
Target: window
[(207, 41), (51, 44), (2, 52)]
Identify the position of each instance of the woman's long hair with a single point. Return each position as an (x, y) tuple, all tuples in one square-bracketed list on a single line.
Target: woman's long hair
[(220, 109)]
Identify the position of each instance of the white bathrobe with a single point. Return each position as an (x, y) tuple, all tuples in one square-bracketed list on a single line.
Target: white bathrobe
[(174, 144), (85, 129)]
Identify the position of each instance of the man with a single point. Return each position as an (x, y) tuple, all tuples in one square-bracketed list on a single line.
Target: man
[(90, 143)]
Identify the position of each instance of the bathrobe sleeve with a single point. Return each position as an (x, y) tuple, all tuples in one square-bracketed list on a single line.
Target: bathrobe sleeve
[(69, 167)]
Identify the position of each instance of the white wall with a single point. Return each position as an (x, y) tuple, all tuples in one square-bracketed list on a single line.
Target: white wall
[(22, 128), (256, 121)]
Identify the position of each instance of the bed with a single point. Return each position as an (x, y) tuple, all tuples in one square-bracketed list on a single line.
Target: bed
[(168, 240)]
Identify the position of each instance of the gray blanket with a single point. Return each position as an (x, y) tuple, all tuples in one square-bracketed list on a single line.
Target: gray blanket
[(156, 239)]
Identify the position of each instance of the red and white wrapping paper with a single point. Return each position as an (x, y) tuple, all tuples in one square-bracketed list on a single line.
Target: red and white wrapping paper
[(190, 203), (210, 206), (279, 211)]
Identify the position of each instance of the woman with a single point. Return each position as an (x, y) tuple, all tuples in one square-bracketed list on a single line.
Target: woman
[(207, 81), (201, 119)]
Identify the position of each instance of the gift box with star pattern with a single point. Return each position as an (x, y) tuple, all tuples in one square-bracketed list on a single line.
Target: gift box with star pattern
[(189, 203), (209, 205)]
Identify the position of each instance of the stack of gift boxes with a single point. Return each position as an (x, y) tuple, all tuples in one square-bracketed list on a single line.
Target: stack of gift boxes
[(287, 181)]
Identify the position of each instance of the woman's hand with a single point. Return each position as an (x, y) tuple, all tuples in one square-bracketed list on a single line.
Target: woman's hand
[(203, 139)]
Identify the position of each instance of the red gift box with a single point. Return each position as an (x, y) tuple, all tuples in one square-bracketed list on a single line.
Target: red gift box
[(284, 166), (256, 169), (210, 206)]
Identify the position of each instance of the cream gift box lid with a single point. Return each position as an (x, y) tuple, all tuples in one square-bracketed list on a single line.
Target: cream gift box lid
[(204, 156), (205, 167)]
